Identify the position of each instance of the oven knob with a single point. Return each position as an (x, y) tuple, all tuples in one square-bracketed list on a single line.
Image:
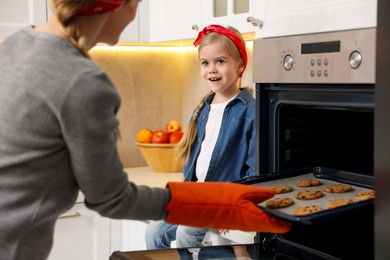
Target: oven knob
[(288, 62), (355, 59)]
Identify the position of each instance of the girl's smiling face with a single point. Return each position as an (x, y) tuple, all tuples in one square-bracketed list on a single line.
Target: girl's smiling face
[(220, 70)]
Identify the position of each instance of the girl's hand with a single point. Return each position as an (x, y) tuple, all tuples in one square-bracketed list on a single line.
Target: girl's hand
[(224, 231)]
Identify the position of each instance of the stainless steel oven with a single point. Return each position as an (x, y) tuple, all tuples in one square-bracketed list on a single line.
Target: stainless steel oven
[(315, 115)]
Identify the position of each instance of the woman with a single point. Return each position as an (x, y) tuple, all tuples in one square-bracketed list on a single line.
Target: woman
[(58, 137)]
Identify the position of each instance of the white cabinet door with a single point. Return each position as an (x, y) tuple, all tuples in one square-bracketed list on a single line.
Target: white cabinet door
[(174, 19), (17, 14), (244, 15), (292, 17), (81, 234), (129, 34), (128, 235)]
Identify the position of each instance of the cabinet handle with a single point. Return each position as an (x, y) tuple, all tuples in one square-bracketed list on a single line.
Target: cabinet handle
[(70, 215), (195, 27), (255, 22)]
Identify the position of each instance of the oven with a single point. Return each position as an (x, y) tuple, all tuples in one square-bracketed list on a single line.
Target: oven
[(315, 118)]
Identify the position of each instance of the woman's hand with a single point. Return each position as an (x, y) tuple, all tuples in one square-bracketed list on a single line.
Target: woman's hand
[(221, 205)]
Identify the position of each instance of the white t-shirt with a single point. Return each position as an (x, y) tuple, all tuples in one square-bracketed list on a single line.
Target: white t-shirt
[(211, 135)]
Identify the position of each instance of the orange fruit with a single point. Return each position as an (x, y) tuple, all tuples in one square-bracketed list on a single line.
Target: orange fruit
[(144, 135)]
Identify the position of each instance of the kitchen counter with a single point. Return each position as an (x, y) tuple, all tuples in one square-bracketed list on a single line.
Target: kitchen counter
[(145, 176)]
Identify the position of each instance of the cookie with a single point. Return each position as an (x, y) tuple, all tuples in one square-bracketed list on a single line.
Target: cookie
[(365, 195), (309, 194), (338, 202), (308, 183), (302, 211), (278, 203), (282, 188), (337, 188)]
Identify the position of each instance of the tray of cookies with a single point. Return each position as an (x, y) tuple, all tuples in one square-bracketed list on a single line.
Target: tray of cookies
[(313, 195)]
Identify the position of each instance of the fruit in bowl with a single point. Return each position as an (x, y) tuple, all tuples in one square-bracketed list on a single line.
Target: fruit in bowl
[(161, 157), (144, 135), (158, 147), (175, 137), (172, 126), (172, 134), (159, 136)]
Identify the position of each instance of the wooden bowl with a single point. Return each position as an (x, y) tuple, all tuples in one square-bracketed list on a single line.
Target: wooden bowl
[(161, 157)]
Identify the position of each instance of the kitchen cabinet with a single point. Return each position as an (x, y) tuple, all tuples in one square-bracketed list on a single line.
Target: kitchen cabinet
[(244, 15), (17, 14), (81, 234), (183, 19), (173, 19), (129, 34), (285, 17), (128, 235)]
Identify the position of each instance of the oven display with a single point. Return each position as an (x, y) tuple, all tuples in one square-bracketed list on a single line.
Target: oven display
[(320, 47)]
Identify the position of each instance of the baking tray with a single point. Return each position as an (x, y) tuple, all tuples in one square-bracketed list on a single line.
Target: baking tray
[(327, 176)]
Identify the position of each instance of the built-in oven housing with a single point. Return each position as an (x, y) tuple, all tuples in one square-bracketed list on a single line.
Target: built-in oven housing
[(315, 108)]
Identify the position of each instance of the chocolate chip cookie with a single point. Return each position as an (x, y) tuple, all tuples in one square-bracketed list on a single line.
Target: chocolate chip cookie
[(282, 188), (302, 211), (338, 188), (338, 202), (365, 195), (308, 183), (278, 203), (309, 194)]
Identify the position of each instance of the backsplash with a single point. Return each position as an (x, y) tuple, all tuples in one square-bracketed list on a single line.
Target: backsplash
[(156, 84)]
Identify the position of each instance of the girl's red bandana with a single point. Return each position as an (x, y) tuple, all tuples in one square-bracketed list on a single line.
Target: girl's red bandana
[(101, 6), (228, 33)]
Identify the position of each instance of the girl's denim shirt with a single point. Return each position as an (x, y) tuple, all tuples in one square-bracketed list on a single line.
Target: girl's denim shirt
[(234, 155)]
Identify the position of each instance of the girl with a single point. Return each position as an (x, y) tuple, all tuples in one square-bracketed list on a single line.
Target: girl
[(220, 142), (58, 137)]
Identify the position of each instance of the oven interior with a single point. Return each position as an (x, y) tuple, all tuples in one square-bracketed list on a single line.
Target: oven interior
[(339, 138), (318, 126)]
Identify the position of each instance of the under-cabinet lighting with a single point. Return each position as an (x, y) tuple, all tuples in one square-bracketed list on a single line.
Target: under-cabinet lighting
[(141, 48), (145, 48)]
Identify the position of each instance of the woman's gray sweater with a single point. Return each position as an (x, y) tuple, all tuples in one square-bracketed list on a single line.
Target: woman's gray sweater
[(58, 136)]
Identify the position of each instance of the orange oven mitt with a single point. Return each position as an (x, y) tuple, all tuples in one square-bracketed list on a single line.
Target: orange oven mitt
[(221, 205)]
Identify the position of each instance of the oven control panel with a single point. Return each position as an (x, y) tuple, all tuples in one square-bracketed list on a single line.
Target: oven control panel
[(334, 57)]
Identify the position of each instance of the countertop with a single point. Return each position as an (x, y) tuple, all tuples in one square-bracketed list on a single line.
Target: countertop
[(145, 176)]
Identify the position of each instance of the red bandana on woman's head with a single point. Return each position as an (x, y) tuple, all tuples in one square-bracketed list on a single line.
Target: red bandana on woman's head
[(228, 33), (101, 6)]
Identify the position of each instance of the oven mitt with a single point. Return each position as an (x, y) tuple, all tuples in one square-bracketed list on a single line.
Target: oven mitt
[(221, 205)]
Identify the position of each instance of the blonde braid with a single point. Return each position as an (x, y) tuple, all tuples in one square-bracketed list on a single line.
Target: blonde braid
[(184, 146)]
